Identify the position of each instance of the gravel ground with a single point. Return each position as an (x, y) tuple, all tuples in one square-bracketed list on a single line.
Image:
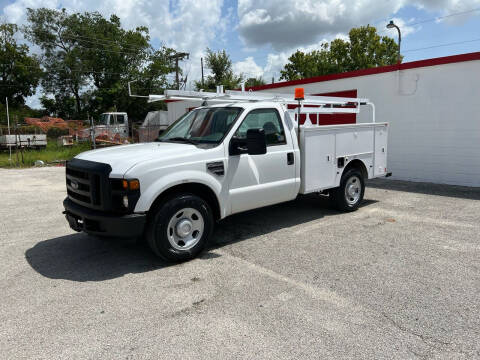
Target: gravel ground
[(397, 279)]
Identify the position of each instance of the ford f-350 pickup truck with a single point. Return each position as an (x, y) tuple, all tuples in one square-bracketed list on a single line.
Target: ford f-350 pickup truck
[(245, 152)]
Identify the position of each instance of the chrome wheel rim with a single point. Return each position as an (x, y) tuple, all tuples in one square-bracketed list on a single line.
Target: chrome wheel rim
[(185, 229), (353, 189)]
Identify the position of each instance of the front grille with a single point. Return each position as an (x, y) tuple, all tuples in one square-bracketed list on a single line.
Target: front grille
[(87, 183)]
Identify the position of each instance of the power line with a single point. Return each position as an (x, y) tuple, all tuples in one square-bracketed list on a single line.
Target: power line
[(441, 45), (95, 40), (71, 70), (134, 49), (66, 69), (437, 18), (444, 17)]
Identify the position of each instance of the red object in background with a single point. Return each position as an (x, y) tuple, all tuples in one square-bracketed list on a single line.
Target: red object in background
[(330, 119), (46, 123)]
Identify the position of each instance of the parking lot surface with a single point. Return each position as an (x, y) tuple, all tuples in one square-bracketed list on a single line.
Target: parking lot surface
[(397, 279)]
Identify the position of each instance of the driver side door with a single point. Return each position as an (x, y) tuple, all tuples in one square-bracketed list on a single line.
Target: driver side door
[(261, 180)]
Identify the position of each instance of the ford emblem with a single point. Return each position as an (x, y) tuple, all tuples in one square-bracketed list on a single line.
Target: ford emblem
[(74, 184)]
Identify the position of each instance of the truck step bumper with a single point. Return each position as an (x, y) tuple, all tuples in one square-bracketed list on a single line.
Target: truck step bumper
[(98, 223)]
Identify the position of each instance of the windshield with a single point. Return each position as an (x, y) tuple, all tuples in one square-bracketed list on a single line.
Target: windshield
[(206, 125)]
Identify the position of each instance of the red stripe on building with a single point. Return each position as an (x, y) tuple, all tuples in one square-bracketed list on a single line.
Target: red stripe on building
[(377, 70)]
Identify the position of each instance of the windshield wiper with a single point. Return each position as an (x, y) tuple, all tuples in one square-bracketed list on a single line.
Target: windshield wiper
[(178, 138)]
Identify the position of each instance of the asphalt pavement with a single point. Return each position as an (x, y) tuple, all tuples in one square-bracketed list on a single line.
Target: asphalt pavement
[(397, 279)]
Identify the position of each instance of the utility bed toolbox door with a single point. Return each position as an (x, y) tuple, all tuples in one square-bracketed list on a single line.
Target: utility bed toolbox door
[(318, 160), (321, 146), (381, 135)]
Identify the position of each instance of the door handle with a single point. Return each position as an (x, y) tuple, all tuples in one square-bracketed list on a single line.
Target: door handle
[(290, 158)]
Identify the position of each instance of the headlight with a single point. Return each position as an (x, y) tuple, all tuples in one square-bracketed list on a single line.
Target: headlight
[(125, 201)]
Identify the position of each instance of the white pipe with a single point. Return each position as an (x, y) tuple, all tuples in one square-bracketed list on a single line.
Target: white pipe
[(373, 110)]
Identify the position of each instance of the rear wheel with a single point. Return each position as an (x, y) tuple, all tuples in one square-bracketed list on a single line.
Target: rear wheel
[(349, 195), (179, 229)]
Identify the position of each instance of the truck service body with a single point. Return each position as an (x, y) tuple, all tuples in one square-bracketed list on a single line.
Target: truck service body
[(246, 152)]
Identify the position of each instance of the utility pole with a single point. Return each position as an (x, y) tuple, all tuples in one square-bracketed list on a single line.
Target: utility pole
[(178, 56), (8, 116), (201, 62)]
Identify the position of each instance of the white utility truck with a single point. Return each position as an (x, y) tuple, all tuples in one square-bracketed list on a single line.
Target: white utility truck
[(245, 152)]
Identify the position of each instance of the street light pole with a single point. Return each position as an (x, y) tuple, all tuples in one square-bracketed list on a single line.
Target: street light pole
[(391, 25)]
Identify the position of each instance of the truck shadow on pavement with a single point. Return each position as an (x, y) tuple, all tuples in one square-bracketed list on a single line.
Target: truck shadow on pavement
[(78, 257), (262, 221)]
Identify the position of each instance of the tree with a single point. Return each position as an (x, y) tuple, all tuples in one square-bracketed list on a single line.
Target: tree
[(54, 32), (19, 72), (59, 106), (222, 74), (90, 58), (253, 82), (364, 49)]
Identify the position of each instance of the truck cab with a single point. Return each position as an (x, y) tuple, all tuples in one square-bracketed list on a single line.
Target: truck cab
[(114, 123), (213, 162)]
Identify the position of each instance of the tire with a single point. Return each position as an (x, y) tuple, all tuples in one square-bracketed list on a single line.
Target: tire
[(349, 195), (179, 228)]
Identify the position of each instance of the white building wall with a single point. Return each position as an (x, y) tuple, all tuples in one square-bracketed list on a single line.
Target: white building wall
[(434, 119)]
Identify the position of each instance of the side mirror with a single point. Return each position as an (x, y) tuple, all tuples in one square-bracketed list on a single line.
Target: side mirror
[(160, 132), (256, 142)]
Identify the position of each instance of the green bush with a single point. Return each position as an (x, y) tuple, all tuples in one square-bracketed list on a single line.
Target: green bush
[(29, 129), (54, 133)]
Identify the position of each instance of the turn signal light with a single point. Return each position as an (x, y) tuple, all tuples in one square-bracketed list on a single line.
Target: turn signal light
[(134, 184), (131, 184)]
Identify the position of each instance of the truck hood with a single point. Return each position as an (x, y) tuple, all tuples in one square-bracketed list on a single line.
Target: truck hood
[(123, 157)]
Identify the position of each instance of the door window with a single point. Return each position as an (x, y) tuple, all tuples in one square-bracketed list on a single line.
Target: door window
[(120, 119), (266, 119)]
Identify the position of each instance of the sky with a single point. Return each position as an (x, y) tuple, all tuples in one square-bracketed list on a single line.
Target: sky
[(260, 35)]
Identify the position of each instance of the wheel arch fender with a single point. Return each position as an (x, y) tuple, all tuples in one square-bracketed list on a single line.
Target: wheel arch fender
[(199, 183), (356, 164)]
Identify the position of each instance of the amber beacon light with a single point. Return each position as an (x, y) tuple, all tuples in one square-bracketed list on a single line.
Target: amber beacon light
[(299, 93)]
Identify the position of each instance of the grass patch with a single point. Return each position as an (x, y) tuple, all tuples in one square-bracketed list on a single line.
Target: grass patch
[(50, 154)]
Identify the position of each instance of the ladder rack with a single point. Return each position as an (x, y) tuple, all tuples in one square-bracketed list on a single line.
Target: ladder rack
[(245, 96), (308, 105)]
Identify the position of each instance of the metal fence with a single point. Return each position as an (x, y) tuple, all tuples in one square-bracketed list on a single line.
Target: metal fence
[(120, 135), (101, 135)]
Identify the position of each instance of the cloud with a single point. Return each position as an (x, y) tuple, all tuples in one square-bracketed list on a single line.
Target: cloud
[(185, 25), (276, 61), (248, 68), (286, 24)]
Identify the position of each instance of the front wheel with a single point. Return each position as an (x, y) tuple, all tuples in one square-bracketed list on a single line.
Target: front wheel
[(349, 195), (179, 229)]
